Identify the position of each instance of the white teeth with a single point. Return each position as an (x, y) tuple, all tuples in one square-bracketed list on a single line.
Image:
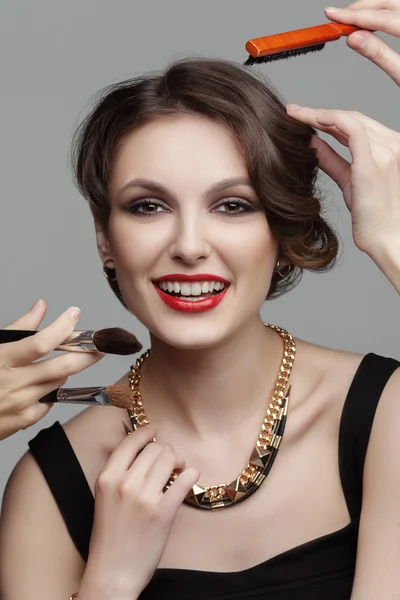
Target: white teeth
[(191, 289), (186, 289), (196, 289)]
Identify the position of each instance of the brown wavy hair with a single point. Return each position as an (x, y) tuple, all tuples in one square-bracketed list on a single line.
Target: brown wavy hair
[(282, 166)]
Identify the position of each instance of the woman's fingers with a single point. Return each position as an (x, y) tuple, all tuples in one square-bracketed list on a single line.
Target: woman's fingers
[(31, 415), (373, 15), (377, 4), (123, 456), (334, 165), (167, 461), (58, 367), (371, 18), (176, 494), (358, 135), (377, 51), (31, 319), (308, 115), (43, 342)]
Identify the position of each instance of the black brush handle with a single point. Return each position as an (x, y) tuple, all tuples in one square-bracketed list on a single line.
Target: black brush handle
[(14, 335), (50, 397)]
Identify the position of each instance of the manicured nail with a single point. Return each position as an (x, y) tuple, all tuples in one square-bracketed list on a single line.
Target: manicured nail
[(333, 9), (37, 306), (358, 40), (293, 107), (74, 311)]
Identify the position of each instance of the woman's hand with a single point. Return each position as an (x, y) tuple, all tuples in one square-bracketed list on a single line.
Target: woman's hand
[(22, 381), (133, 516), (377, 15), (371, 182)]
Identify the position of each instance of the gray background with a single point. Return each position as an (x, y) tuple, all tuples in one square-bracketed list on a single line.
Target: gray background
[(54, 57)]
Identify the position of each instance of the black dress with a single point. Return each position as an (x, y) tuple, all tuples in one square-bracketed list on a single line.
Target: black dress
[(319, 569)]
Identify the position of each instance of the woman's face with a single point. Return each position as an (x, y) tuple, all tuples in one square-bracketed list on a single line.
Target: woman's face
[(183, 210)]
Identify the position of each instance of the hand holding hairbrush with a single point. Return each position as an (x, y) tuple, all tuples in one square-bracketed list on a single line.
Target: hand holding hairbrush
[(362, 18)]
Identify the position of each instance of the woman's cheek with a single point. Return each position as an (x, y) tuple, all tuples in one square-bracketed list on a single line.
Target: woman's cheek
[(138, 245), (252, 245)]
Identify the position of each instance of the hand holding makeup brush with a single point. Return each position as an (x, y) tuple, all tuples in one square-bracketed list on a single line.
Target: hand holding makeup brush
[(23, 381)]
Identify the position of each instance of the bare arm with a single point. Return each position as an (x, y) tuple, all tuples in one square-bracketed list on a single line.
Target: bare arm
[(378, 555), (38, 558), (132, 521)]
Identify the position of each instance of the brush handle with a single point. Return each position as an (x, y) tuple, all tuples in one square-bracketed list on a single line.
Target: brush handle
[(78, 341), (14, 335), (84, 395), (300, 38)]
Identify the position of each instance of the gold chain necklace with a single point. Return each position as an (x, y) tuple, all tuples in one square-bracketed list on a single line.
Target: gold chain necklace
[(265, 450)]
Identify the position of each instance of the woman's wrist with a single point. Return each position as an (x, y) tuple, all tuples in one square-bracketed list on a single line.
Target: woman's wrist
[(96, 590)]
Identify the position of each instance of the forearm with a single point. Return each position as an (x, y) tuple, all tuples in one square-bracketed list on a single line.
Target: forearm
[(386, 256), (94, 587), (91, 593)]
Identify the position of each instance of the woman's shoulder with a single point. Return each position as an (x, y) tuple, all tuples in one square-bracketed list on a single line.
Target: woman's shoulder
[(94, 434), (323, 374)]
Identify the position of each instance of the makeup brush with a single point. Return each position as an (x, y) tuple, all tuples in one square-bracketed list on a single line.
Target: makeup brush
[(109, 341), (295, 43), (118, 395)]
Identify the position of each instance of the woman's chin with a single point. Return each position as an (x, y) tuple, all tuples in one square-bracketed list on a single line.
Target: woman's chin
[(200, 336)]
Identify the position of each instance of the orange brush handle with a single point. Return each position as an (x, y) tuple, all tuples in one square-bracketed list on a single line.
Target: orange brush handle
[(300, 38)]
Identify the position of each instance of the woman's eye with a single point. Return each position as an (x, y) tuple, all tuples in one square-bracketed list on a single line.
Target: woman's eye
[(146, 207), (234, 207)]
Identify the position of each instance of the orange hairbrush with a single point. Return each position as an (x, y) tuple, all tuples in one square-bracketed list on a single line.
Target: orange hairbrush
[(295, 43)]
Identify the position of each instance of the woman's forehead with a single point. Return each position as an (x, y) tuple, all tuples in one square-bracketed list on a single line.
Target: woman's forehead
[(175, 151)]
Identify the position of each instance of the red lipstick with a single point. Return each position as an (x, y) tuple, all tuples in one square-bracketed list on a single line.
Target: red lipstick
[(177, 303)]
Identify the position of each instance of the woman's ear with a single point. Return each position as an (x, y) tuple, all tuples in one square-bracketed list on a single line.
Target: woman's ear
[(103, 246)]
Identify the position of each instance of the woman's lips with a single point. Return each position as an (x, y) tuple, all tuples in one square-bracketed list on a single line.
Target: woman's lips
[(176, 303)]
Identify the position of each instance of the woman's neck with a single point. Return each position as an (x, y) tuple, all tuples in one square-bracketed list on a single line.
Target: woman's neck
[(203, 391)]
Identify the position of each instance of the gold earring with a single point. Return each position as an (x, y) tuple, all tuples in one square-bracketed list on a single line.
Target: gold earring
[(109, 272), (281, 272)]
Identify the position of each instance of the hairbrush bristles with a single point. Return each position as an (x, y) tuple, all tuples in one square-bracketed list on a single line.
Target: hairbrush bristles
[(120, 395), (282, 55), (116, 341)]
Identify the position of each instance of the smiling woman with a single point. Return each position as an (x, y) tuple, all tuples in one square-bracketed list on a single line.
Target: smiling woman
[(203, 195), (251, 114)]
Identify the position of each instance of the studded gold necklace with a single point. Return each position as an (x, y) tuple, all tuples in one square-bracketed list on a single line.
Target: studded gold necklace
[(265, 450)]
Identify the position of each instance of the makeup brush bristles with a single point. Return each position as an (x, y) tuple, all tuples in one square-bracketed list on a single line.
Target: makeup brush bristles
[(116, 341), (120, 395), (282, 55)]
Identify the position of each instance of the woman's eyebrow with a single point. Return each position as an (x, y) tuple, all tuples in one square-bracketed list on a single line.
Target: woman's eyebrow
[(154, 186)]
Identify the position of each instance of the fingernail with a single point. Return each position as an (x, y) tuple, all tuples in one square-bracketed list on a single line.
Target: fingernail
[(38, 305), (74, 311), (358, 40), (293, 107), (333, 9)]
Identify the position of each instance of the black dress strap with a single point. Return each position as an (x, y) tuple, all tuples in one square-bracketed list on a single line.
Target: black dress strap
[(356, 423), (61, 468)]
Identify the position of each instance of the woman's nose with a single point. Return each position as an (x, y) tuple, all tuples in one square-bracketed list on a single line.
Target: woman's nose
[(189, 243)]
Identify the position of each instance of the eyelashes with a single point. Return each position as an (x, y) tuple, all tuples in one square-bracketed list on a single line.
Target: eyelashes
[(151, 207)]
